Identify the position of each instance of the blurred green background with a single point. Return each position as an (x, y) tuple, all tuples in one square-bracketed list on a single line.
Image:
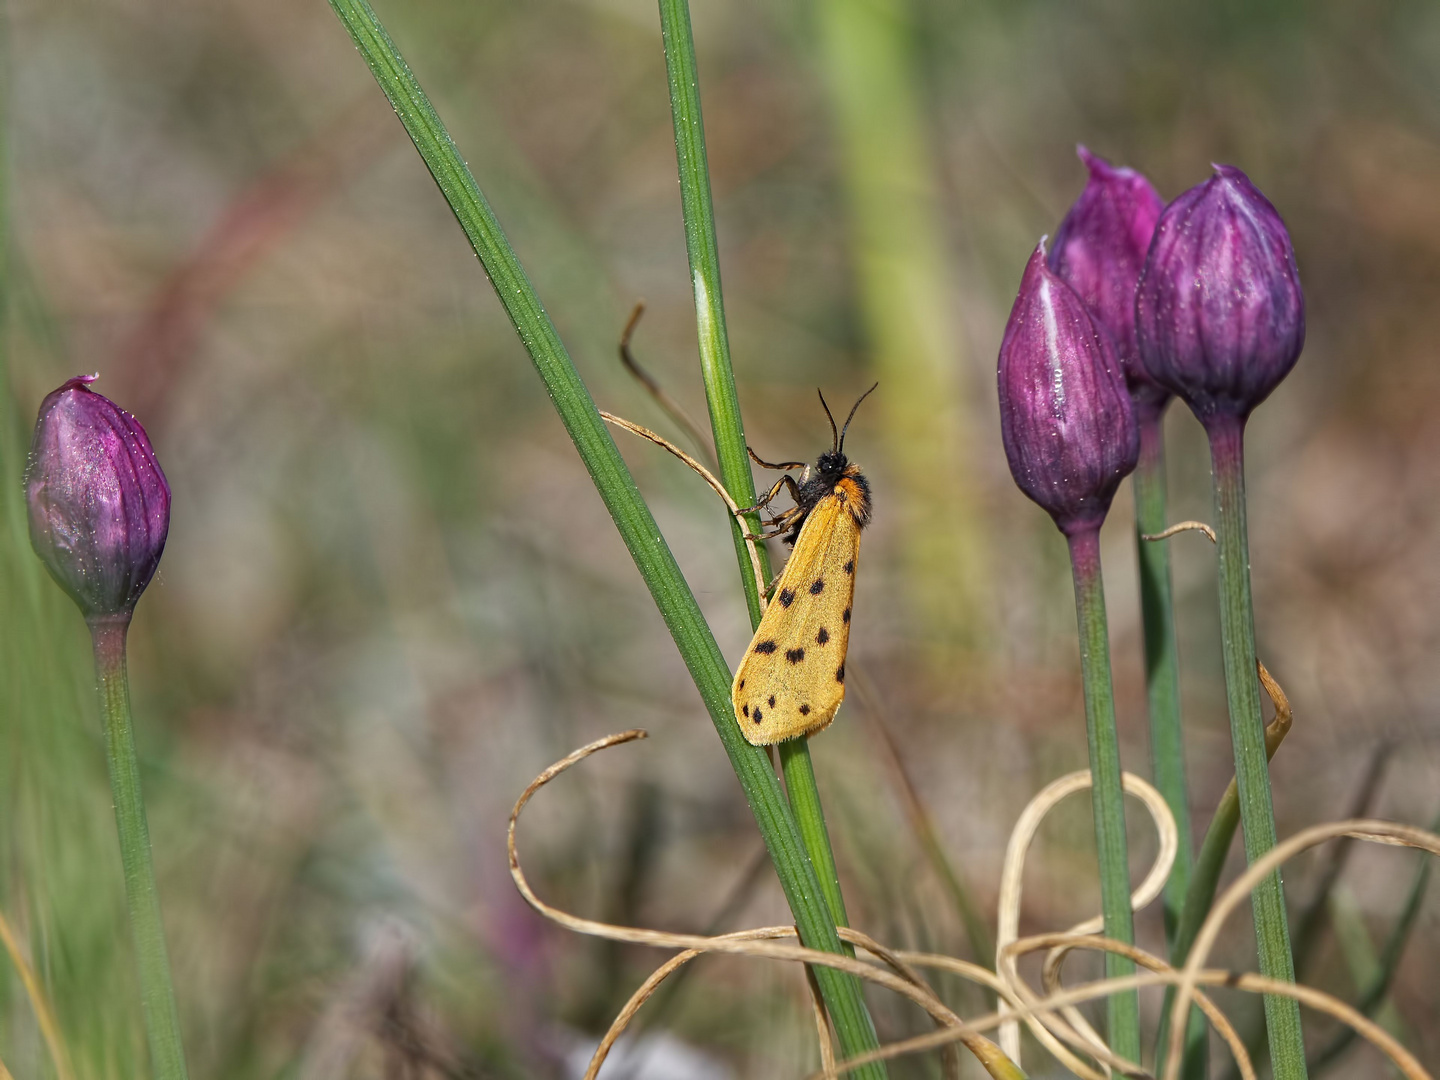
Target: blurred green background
[(391, 595)]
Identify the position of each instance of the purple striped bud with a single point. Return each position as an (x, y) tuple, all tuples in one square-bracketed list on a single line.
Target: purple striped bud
[(1100, 250), (1066, 418), (1219, 314), (99, 504)]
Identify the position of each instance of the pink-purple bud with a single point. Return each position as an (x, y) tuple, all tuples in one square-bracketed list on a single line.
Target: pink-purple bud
[(99, 504), (1065, 415), (1219, 313), (1100, 250)]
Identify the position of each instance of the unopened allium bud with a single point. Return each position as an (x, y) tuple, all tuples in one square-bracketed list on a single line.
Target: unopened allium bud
[(1100, 250), (99, 504), (1065, 415), (1219, 314)]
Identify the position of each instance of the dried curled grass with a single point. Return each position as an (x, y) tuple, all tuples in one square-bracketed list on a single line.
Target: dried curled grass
[(1051, 1014)]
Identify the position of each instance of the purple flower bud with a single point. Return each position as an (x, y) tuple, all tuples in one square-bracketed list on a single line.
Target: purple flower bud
[(1219, 314), (99, 504), (1066, 418), (1100, 250)]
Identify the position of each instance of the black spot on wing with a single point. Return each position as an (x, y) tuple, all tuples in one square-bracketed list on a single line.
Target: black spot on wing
[(822, 637), (787, 597), (840, 673), (794, 655), (756, 716), (765, 647), (772, 701), (850, 567), (818, 587), (745, 709), (742, 684), (846, 615), (804, 710)]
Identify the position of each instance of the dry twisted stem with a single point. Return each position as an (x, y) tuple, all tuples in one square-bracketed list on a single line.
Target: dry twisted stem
[(1021, 838), (1020, 1000), (1379, 832), (747, 943), (704, 474), (1167, 976), (1182, 526)]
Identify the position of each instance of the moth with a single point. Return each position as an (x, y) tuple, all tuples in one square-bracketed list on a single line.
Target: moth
[(792, 678)]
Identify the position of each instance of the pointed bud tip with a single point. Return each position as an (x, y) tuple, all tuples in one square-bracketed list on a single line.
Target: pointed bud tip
[(1100, 249), (1065, 418)]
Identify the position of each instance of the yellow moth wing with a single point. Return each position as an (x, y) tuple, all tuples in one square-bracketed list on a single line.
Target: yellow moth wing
[(791, 680)]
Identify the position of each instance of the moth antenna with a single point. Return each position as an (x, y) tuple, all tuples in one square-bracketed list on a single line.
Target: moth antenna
[(841, 444), (834, 434)]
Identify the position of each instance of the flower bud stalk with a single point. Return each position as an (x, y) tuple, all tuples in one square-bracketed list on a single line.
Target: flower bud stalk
[(1107, 791), (1162, 684), (157, 992), (1247, 735), (1162, 667), (99, 512)]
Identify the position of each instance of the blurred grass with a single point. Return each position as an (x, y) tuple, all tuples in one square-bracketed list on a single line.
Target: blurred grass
[(389, 598)]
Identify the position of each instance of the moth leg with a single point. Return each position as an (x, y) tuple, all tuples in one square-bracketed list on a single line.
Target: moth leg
[(785, 482), (783, 467), (770, 589), (784, 524)]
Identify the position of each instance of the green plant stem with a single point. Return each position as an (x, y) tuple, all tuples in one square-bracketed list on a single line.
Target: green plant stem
[(1204, 881), (1162, 685), (157, 993), (703, 249), (1107, 792), (724, 403), (804, 793), (622, 499), (1162, 661), (1247, 734)]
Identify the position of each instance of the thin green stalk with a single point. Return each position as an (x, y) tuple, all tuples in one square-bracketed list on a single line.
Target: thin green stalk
[(804, 795), (1247, 735), (1204, 881), (1162, 661), (157, 994), (725, 416), (1162, 684), (622, 499), (704, 251), (1107, 791)]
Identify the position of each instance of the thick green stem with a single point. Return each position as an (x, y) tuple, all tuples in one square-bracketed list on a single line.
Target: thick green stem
[(622, 499), (1247, 734), (804, 794), (1162, 684), (1204, 880), (704, 251), (725, 417), (157, 994), (1107, 792), (1162, 662)]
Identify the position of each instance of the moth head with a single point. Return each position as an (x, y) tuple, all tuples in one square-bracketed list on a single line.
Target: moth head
[(834, 458)]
